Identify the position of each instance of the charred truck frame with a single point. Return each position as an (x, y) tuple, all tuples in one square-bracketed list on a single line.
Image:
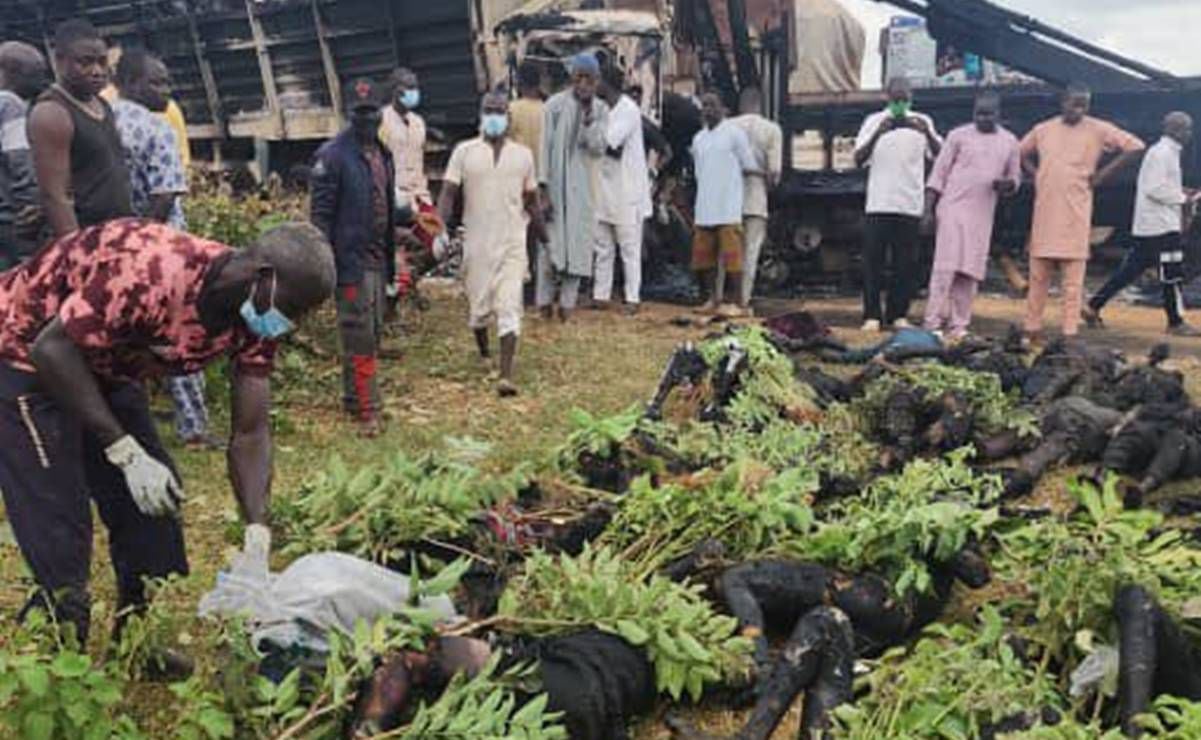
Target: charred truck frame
[(262, 79), (818, 226)]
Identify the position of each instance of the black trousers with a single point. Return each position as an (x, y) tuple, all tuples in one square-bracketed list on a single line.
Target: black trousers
[(16, 246), (51, 470), (890, 243), (1164, 252)]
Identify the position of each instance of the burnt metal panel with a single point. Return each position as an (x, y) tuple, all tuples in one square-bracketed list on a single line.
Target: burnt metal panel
[(215, 61)]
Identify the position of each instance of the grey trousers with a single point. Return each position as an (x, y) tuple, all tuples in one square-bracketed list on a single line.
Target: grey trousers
[(360, 310), (755, 230), (547, 282)]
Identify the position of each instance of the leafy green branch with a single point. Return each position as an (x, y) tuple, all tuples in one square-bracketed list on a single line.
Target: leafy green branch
[(688, 643)]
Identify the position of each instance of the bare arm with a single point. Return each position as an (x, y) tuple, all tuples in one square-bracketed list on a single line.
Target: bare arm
[(250, 452), (1028, 156), (65, 375), (160, 207), (1116, 165), (930, 217), (1030, 163), (933, 142), (1129, 148), (452, 181), (448, 200), (943, 166), (50, 135), (1011, 180), (668, 155), (534, 209)]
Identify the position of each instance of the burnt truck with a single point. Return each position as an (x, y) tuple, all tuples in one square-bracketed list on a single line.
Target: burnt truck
[(819, 204), (262, 79), (817, 221)]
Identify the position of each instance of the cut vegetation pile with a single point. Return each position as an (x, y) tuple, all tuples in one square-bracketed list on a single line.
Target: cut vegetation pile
[(630, 527)]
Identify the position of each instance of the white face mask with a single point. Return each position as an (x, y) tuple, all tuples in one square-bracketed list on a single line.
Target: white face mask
[(494, 125)]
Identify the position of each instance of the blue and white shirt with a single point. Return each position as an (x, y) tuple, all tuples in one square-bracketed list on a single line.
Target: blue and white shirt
[(152, 156)]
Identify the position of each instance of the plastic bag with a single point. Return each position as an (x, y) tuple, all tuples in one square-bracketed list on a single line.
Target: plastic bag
[(1098, 671), (317, 593)]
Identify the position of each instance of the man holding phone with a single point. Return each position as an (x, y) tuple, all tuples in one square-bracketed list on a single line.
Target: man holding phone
[(894, 144)]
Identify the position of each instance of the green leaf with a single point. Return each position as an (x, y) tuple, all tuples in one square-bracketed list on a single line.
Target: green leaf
[(70, 665), (38, 726), (35, 678), (693, 648), (1090, 499), (447, 579), (695, 685), (216, 724), (632, 633), (287, 694)]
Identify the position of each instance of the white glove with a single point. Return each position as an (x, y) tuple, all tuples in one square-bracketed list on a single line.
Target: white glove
[(256, 542), (441, 246), (256, 550), (153, 486)]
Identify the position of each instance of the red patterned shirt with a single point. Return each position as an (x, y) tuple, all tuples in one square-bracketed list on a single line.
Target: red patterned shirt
[(127, 293)]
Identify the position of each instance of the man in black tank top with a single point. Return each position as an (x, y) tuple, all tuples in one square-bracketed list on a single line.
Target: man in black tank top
[(77, 152)]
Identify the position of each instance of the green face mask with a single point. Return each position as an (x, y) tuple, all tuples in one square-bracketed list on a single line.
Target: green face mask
[(899, 108)]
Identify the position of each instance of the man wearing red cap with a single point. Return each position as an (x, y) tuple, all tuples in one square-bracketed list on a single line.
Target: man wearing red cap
[(354, 177)]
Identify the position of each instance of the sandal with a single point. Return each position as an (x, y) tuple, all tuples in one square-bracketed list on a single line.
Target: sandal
[(1092, 318)]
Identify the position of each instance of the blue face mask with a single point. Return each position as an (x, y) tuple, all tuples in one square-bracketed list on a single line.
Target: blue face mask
[(494, 125), (410, 98), (271, 324)]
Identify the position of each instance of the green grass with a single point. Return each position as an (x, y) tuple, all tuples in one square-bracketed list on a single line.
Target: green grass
[(599, 362)]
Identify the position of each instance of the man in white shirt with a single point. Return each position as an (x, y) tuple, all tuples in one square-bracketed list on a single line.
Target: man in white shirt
[(895, 144), (722, 156), (496, 181), (767, 144), (624, 200), (403, 132), (1158, 228)]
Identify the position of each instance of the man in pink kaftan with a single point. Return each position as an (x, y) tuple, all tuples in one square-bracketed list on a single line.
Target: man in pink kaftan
[(978, 163)]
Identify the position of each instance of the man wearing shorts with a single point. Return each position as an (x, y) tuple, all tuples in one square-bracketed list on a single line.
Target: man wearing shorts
[(722, 156)]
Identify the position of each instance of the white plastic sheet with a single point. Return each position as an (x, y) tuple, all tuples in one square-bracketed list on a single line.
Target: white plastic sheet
[(317, 593)]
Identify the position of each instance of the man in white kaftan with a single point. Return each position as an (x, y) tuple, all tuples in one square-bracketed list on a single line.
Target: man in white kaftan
[(573, 142)]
